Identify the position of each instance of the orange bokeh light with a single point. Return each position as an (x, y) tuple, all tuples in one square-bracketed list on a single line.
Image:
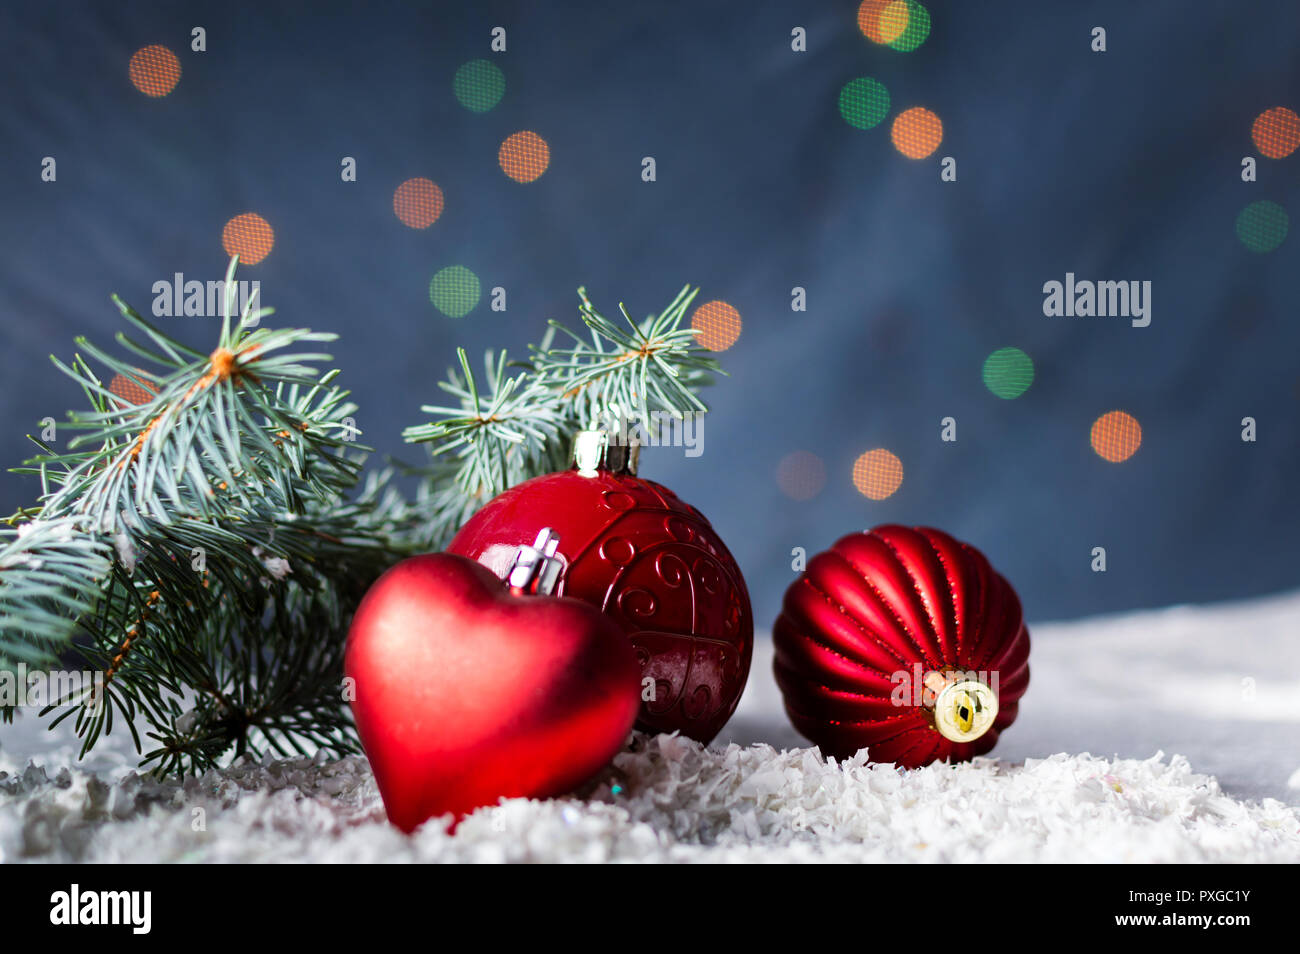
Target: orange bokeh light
[(524, 156), (132, 390), (877, 473), (1116, 436), (1276, 132), (249, 236), (883, 21), (801, 475), (916, 132), (418, 202), (718, 324), (154, 70)]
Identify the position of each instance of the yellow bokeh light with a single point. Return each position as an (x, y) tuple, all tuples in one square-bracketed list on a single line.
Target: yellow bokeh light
[(801, 475), (524, 156), (893, 21), (916, 132), (154, 70), (1276, 132), (883, 21), (877, 473), (418, 202), (718, 324), (249, 236), (1116, 436), (132, 390)]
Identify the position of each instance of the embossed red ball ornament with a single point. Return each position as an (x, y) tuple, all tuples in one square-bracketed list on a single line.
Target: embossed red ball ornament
[(468, 692), (905, 641), (651, 562)]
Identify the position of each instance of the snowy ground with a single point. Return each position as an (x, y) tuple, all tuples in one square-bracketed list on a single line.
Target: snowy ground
[(1217, 684)]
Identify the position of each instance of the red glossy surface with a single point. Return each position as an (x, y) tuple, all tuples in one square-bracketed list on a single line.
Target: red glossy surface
[(877, 604), (466, 694), (651, 562)]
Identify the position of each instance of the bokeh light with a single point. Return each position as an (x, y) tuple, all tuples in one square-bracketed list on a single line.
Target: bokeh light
[(1276, 132), (454, 291), (883, 21), (718, 324), (524, 156), (249, 236), (864, 102), (877, 473), (916, 30), (479, 85), (132, 390), (1008, 372), (916, 132), (418, 202), (801, 475), (154, 70), (1262, 226), (1116, 436)]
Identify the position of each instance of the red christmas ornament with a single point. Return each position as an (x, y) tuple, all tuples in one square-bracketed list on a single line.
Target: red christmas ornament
[(651, 562), (468, 692), (905, 641)]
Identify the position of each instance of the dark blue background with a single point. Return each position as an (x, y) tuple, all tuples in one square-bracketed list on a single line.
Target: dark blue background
[(1122, 165)]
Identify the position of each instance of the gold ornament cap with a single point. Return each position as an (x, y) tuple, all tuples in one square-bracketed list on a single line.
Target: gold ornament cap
[(964, 709), (593, 450)]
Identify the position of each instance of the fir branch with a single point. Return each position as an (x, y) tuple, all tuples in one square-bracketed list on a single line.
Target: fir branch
[(652, 366), (499, 433), (522, 424), (203, 551), (200, 550)]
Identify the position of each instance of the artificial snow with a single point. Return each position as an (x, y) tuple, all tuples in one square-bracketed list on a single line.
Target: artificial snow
[(1120, 684), (278, 567), (666, 799)]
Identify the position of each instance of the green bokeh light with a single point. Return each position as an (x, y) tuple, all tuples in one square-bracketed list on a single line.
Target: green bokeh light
[(454, 291), (1262, 226), (1008, 372), (918, 28), (479, 85), (864, 102)]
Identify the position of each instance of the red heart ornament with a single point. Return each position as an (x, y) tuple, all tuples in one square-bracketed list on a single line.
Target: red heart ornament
[(466, 693)]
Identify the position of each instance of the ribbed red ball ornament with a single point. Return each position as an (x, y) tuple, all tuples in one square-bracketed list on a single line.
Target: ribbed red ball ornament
[(904, 641), (650, 561)]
